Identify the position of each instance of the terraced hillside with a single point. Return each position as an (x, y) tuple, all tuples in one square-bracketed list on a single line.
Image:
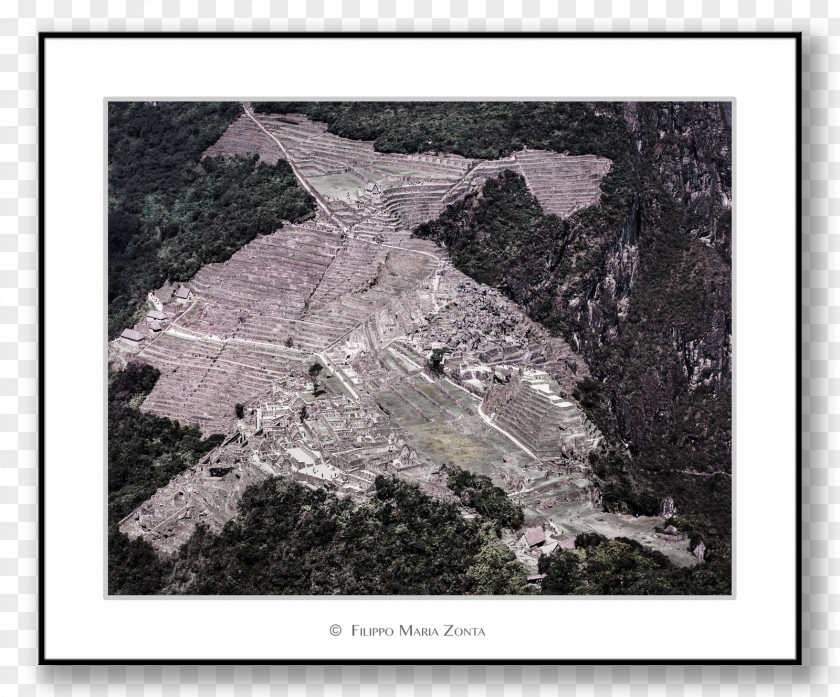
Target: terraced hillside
[(356, 292), (244, 137), (562, 184), (304, 288), (374, 341)]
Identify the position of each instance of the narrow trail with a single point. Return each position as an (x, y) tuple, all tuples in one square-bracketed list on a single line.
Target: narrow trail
[(249, 111), (703, 474), (402, 249)]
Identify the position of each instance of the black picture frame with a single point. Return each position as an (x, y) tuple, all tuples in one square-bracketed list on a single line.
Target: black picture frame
[(44, 39)]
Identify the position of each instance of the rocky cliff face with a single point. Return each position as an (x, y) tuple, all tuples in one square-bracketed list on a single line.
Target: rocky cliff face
[(689, 148), (680, 210), (657, 324), (689, 145)]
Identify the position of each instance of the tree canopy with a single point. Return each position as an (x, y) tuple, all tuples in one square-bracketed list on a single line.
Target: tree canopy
[(290, 540), (314, 371), (620, 566)]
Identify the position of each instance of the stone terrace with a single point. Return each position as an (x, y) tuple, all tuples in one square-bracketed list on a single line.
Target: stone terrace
[(202, 379), (311, 285), (413, 204), (244, 137), (414, 188), (353, 270), (319, 153), (532, 410), (479, 174), (230, 344), (279, 271), (563, 184)]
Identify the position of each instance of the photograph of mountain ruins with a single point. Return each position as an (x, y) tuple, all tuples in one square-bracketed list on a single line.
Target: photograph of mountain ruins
[(419, 348)]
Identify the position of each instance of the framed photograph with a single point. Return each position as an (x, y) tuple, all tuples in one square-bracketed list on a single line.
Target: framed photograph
[(419, 348)]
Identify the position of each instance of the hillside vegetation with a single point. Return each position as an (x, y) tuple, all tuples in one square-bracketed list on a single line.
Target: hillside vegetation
[(487, 130), (169, 213), (600, 566), (290, 540), (477, 491)]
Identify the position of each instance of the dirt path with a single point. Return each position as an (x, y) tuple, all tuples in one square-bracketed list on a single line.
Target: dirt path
[(298, 174)]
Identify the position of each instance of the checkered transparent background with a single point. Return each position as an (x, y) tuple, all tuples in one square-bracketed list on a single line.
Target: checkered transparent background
[(19, 23)]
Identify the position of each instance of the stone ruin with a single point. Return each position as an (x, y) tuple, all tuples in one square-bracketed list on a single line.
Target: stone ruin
[(532, 407), (354, 291), (667, 509), (341, 445)]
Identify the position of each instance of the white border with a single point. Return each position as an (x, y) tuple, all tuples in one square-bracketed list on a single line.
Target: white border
[(758, 624)]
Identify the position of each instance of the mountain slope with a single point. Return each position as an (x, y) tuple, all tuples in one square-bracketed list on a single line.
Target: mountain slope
[(641, 285)]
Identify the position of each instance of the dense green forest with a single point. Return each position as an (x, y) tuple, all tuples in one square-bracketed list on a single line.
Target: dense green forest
[(487, 130), (145, 452), (600, 566), (290, 540), (507, 233), (169, 213)]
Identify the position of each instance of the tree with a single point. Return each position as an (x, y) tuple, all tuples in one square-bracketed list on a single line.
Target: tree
[(290, 342), (288, 539), (314, 371), (134, 568), (477, 491), (494, 569), (240, 411), (303, 413), (436, 361)]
